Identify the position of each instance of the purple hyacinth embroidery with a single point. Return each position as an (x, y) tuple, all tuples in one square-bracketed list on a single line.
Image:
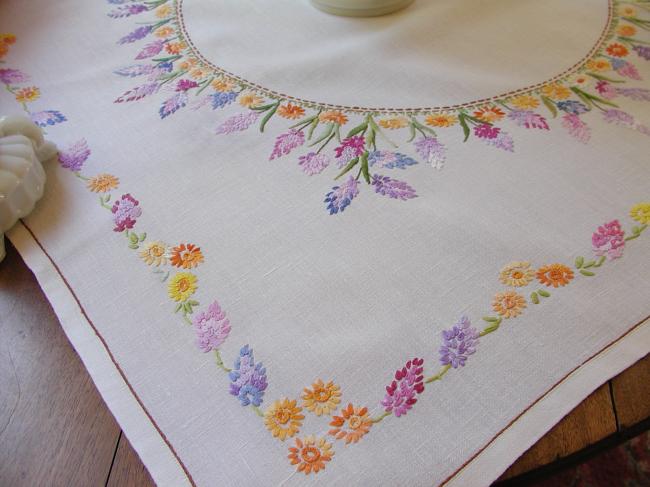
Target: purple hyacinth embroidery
[(350, 148), (238, 123), (286, 142), (248, 379), (341, 196), (125, 211), (74, 156), (392, 187), (313, 163), (458, 343), (211, 327), (401, 392), (432, 151), (486, 131), (618, 117), (12, 76)]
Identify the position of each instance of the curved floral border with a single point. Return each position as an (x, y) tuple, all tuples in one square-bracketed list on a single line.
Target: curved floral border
[(349, 423), (170, 63)]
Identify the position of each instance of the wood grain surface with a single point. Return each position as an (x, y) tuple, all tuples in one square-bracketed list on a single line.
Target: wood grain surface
[(56, 431)]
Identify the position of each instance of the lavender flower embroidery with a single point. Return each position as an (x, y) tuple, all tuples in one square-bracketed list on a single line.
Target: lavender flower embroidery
[(528, 119), (127, 11), (643, 51), (125, 211), (618, 117), (313, 163), (136, 35), (576, 127), (573, 107), (392, 187), (248, 379), (341, 196), (211, 327), (286, 142), (220, 100), (12, 76), (502, 141), (458, 343), (390, 160), (74, 156), (401, 393), (237, 123), (638, 94), (432, 151), (47, 117)]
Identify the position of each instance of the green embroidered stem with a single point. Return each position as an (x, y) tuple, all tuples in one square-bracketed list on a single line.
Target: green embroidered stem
[(267, 117), (550, 104), (439, 375), (380, 418), (592, 100), (364, 167), (600, 77), (217, 354), (326, 135), (78, 174), (350, 165), (186, 319), (313, 126), (105, 199), (636, 232), (258, 411), (376, 129), (494, 325)]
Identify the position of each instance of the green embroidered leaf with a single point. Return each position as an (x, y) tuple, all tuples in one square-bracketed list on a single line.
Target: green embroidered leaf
[(134, 246), (193, 303), (550, 105), (587, 273), (463, 123), (589, 264), (534, 298), (178, 307), (143, 236), (579, 261), (544, 293), (350, 165), (600, 261), (268, 116), (358, 129), (491, 328), (133, 237), (312, 127), (325, 135), (635, 230), (490, 319), (364, 167)]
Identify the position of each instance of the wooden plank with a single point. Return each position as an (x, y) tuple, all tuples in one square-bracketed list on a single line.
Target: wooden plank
[(128, 470), (54, 426), (631, 391), (590, 421)]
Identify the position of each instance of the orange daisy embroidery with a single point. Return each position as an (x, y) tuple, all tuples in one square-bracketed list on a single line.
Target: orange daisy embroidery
[(174, 47), (556, 91), (322, 398), (441, 120), (509, 304), (617, 50), (554, 275), (310, 454), (250, 100), (525, 102), (102, 183), (393, 123), (25, 95), (599, 65), (351, 425), (333, 116), (186, 256), (290, 111), (626, 30), (283, 418), (223, 85), (489, 114)]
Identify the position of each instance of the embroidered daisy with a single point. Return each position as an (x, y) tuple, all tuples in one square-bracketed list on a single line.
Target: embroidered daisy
[(599, 65), (310, 454), (223, 85), (322, 398), (554, 275), (394, 123), (352, 425), (626, 30), (516, 274), (25, 95), (525, 102), (102, 183), (489, 114), (641, 212), (617, 50), (186, 256), (441, 120), (164, 31), (509, 304), (580, 80), (163, 11), (154, 253), (250, 100), (182, 286), (333, 116), (175, 47), (290, 111), (283, 418)]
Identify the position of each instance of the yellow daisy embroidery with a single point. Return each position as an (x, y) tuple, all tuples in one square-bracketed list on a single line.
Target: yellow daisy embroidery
[(641, 212), (283, 418), (102, 183), (394, 123), (525, 102), (182, 286), (322, 398), (154, 253), (250, 100), (556, 91), (516, 274)]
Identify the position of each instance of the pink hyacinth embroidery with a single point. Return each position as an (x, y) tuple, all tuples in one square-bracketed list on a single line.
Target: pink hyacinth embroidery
[(486, 131), (12, 76), (237, 123), (286, 142), (528, 119), (401, 393), (211, 327), (125, 211), (349, 149), (313, 163), (502, 141), (618, 117), (609, 240), (576, 127), (606, 90)]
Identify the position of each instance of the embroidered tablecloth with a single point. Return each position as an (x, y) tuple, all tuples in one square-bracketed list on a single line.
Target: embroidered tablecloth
[(293, 248)]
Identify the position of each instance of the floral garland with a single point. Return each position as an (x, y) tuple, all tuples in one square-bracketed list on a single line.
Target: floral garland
[(170, 63), (348, 422)]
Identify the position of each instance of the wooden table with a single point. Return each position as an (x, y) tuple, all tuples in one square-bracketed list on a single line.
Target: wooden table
[(55, 429)]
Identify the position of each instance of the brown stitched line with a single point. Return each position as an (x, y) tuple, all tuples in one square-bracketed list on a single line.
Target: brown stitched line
[(412, 111), (444, 482), (110, 354)]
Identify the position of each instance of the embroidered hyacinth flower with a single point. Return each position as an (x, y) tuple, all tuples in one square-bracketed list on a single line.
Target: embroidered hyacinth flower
[(211, 328), (637, 94), (609, 240), (351, 425), (458, 343), (576, 127), (286, 142), (432, 151), (47, 118), (528, 119), (341, 196), (125, 211), (627, 69), (349, 149), (154, 253), (392, 188), (486, 131), (390, 160), (136, 35), (221, 99), (516, 274), (643, 51), (606, 90), (508, 304), (554, 275), (618, 117), (186, 256), (310, 454), (641, 213), (12, 76), (401, 393), (186, 84), (321, 398), (74, 156), (151, 49), (503, 141), (313, 163), (248, 379), (127, 11), (237, 123), (102, 183), (181, 286), (283, 418), (173, 104)]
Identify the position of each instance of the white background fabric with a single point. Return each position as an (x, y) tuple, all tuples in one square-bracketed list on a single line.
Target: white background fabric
[(349, 297)]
